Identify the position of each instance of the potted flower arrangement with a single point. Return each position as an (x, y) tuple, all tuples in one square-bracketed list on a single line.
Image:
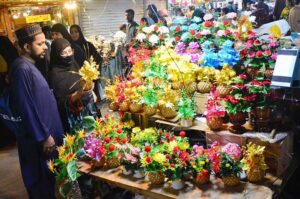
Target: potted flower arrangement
[(224, 79), (201, 165), (95, 149), (64, 167), (238, 103), (130, 158), (154, 161), (167, 102), (215, 112), (205, 77), (254, 162), (150, 100), (186, 110)]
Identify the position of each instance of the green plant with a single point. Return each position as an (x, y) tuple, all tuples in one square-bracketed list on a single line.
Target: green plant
[(186, 107), (229, 166)]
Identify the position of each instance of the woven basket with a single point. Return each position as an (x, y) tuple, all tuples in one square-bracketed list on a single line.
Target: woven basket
[(156, 178), (231, 180), (150, 110), (167, 112), (112, 163), (98, 164), (204, 87), (191, 87), (255, 175), (202, 180), (200, 102), (75, 192), (214, 123), (135, 107), (114, 106), (223, 90), (124, 106)]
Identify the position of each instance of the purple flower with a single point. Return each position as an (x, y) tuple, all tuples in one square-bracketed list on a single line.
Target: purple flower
[(194, 45), (180, 48), (194, 58)]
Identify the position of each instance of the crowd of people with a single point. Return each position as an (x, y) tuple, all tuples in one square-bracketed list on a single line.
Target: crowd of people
[(49, 98)]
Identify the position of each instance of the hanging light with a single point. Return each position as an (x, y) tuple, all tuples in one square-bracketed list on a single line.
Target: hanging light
[(70, 5)]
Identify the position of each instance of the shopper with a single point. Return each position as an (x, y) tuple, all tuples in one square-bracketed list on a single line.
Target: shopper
[(294, 17), (279, 6), (154, 15), (73, 102), (286, 11), (60, 31), (36, 105), (191, 11), (261, 13), (131, 26)]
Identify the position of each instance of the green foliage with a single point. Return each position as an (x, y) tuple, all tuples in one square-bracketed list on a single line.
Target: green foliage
[(229, 166), (186, 107)]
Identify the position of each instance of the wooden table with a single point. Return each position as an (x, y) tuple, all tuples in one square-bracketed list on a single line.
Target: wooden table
[(213, 190)]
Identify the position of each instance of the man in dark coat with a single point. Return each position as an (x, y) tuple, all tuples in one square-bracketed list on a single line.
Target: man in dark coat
[(279, 6), (36, 105)]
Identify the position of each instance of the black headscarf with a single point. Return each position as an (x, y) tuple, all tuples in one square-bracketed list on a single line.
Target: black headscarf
[(8, 51), (154, 13), (198, 13)]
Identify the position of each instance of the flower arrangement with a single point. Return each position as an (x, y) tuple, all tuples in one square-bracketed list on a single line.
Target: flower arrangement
[(201, 165), (254, 162), (130, 157), (94, 147), (141, 137), (186, 107), (225, 76), (229, 166), (233, 150), (64, 167), (154, 160), (205, 74), (260, 88), (215, 111)]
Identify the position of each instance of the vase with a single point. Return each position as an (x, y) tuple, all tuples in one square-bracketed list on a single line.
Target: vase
[(135, 107), (150, 110), (168, 112), (75, 192), (237, 120), (186, 122), (156, 178), (223, 90), (231, 180), (202, 179), (269, 73), (255, 175), (127, 172), (112, 163), (139, 173), (204, 87), (114, 106), (124, 106), (178, 184), (214, 123)]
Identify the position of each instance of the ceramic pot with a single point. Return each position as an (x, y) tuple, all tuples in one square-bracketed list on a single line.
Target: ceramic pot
[(178, 184), (139, 174), (186, 122)]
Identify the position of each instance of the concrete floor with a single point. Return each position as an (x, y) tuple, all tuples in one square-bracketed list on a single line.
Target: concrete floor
[(11, 183)]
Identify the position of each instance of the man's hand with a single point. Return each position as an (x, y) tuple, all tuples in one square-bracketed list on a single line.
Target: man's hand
[(49, 145)]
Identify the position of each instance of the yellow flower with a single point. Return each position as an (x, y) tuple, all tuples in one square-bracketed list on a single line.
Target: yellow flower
[(50, 164), (202, 162), (61, 151), (81, 134), (172, 145), (227, 165), (184, 146), (129, 124), (136, 129), (160, 158), (69, 140)]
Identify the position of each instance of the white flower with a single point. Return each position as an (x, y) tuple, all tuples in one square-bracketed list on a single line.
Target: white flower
[(207, 17), (152, 27), (244, 29), (252, 19), (231, 15), (163, 30), (247, 13), (153, 39), (234, 22), (141, 37), (205, 32), (221, 33), (147, 30)]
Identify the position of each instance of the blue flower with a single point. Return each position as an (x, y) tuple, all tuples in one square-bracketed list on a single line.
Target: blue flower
[(196, 19), (194, 26), (185, 36)]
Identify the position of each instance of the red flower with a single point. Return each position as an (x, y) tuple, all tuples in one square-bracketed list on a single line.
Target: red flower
[(155, 28), (172, 138), (259, 54), (237, 34), (225, 23), (267, 82), (198, 35), (243, 76), (111, 147), (168, 156), (167, 135), (243, 52), (107, 139), (172, 165), (106, 116), (250, 42), (233, 100), (177, 38), (147, 148), (250, 98), (161, 142), (268, 52), (192, 32), (257, 83), (182, 134), (177, 29), (161, 36), (121, 114), (184, 156), (160, 132), (119, 131), (240, 86), (257, 43), (175, 149), (148, 159), (208, 23), (227, 32), (124, 140)]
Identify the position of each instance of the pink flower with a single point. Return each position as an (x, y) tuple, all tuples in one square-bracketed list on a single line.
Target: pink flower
[(231, 15), (233, 150), (273, 44), (207, 17), (221, 33), (251, 55), (205, 32), (243, 76), (274, 56)]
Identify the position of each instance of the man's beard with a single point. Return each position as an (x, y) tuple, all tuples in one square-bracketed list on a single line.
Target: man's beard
[(37, 57)]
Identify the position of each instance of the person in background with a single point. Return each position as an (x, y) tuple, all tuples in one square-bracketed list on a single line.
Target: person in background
[(73, 102), (179, 12), (230, 7), (190, 13), (261, 13), (224, 11), (164, 14), (198, 13), (42, 130), (60, 31), (279, 6), (294, 17), (286, 11), (131, 26), (154, 15)]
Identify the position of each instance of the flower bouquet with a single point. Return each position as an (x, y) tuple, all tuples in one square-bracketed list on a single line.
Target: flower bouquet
[(186, 110), (215, 112), (150, 98), (130, 158), (201, 165), (89, 72), (95, 149), (229, 170), (64, 167), (205, 76), (224, 79), (254, 162)]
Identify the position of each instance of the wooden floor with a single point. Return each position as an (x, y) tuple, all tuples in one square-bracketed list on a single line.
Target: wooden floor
[(11, 183)]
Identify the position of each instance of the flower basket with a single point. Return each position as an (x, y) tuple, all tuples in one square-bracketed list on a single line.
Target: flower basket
[(168, 112), (223, 90), (156, 178), (98, 164), (124, 106), (186, 122), (75, 192), (255, 175), (114, 106), (202, 179), (191, 87), (178, 184), (231, 180), (204, 87), (150, 110), (237, 120), (214, 123), (112, 163), (135, 107), (200, 102)]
